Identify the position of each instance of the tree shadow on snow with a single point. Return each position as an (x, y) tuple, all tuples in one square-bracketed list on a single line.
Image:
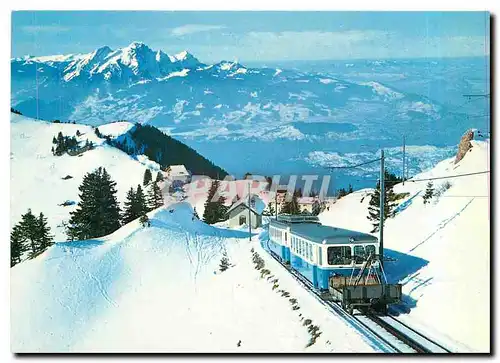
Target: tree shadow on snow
[(86, 244)]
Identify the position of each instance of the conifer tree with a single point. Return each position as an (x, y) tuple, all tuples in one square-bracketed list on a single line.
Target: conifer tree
[(17, 245), (147, 177), (224, 262), (270, 209), (140, 200), (215, 210), (45, 239), (429, 192), (29, 229), (316, 208), (128, 212), (135, 205), (350, 189), (159, 177), (374, 205), (341, 193), (30, 234), (155, 197), (97, 213), (292, 206)]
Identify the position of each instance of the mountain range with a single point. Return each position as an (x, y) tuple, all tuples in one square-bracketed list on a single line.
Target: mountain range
[(227, 103)]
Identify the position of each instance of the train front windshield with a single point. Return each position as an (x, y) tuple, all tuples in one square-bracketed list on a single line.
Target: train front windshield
[(342, 255), (339, 255)]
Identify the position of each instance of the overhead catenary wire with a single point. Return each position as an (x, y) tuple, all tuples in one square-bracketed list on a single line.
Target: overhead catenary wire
[(448, 177), (392, 181), (352, 166)]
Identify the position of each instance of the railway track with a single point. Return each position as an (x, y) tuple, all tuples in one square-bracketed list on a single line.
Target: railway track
[(386, 333)]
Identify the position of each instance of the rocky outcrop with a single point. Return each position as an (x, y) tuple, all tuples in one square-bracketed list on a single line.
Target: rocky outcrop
[(465, 145)]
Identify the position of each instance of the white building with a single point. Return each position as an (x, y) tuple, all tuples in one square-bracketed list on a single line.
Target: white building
[(306, 204), (178, 173), (239, 214)]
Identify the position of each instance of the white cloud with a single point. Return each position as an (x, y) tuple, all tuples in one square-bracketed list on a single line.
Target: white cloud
[(354, 44), (194, 28), (32, 29)]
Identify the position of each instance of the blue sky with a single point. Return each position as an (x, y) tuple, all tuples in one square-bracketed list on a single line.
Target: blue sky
[(257, 36)]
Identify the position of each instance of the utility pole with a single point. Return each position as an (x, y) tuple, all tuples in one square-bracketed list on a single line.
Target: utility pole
[(276, 203), (249, 215), (404, 149), (382, 196)]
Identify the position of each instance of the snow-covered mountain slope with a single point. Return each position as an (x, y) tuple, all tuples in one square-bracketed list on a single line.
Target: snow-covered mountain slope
[(159, 289), (37, 175), (449, 292)]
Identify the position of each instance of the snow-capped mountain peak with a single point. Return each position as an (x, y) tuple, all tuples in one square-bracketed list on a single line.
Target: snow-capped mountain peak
[(135, 62), (186, 59)]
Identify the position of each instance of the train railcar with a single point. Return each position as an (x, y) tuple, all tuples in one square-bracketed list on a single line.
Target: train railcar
[(317, 251), (334, 260), (278, 240), (280, 233)]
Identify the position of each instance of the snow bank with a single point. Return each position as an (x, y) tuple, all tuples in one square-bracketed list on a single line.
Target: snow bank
[(115, 129)]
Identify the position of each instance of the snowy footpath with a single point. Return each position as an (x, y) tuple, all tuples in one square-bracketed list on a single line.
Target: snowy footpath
[(159, 289)]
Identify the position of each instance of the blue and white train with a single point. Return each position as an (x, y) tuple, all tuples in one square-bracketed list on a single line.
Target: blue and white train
[(318, 252)]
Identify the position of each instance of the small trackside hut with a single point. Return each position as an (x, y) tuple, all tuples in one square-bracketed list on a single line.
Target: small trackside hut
[(340, 263)]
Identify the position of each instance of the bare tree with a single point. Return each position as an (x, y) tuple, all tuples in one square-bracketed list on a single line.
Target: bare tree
[(200, 250)]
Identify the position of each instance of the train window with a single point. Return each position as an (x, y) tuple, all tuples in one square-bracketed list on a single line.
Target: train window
[(369, 250), (320, 255), (310, 252), (339, 255), (359, 254)]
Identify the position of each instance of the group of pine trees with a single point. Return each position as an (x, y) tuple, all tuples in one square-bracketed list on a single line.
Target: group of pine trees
[(138, 204), (215, 210), (98, 212), (155, 196), (32, 235), (63, 144), (135, 205), (342, 192), (69, 144)]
